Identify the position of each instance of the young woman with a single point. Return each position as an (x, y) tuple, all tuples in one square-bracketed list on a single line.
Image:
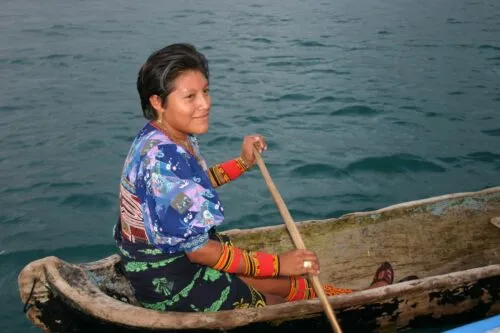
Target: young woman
[(172, 254)]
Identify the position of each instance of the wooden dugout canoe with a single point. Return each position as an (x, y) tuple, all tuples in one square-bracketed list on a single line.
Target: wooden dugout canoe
[(451, 242)]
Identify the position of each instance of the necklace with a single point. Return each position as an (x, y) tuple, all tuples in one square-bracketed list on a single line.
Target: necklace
[(189, 147), (186, 144)]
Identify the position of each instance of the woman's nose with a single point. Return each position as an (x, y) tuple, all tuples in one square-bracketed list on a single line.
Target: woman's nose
[(204, 101)]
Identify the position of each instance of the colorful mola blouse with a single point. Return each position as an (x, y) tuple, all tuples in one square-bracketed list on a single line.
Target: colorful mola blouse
[(166, 197)]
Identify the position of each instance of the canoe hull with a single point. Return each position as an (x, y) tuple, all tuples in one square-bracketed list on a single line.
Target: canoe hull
[(433, 308), (450, 242)]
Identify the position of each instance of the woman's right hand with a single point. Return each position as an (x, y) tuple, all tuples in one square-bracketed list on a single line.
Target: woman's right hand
[(292, 263)]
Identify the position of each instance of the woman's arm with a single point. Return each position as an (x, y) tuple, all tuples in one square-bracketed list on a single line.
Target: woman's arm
[(231, 259)]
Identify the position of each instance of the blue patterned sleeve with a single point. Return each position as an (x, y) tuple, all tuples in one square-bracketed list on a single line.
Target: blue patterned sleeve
[(180, 206)]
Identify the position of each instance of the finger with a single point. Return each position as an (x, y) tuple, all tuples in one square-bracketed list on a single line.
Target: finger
[(310, 271), (309, 266), (257, 146), (264, 143), (310, 257), (308, 254), (314, 264), (312, 267), (260, 139)]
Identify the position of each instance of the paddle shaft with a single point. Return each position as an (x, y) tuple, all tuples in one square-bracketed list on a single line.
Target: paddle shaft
[(297, 239)]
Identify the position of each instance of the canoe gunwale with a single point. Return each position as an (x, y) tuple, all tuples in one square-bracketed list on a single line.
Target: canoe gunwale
[(108, 309), (399, 206)]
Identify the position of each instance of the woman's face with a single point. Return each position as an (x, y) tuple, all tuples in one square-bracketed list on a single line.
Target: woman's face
[(188, 105)]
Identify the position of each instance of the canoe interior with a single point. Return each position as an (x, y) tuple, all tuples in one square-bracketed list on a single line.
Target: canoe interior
[(428, 238)]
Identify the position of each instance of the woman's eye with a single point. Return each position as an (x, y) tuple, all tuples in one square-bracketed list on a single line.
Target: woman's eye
[(206, 91), (190, 96)]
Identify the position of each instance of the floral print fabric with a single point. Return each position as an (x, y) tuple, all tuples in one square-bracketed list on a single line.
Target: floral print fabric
[(168, 189)]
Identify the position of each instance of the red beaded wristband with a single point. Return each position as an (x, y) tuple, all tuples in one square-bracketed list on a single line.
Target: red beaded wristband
[(258, 264), (225, 172)]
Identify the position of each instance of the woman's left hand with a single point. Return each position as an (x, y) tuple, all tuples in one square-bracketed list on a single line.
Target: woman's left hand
[(250, 141)]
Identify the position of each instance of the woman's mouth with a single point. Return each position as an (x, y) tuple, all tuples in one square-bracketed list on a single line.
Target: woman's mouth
[(202, 116)]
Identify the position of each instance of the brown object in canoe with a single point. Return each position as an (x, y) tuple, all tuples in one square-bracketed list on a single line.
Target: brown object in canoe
[(448, 241)]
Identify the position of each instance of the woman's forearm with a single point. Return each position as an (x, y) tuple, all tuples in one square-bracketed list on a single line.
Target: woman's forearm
[(227, 258)]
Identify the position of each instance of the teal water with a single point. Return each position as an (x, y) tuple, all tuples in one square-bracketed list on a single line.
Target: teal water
[(365, 104)]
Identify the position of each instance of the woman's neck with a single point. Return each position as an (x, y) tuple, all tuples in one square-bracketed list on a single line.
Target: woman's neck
[(174, 135)]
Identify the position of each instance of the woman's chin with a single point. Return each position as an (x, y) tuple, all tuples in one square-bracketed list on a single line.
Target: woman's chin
[(198, 130)]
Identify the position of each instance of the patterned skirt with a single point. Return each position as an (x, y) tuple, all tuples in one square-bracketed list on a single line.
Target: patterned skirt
[(170, 282)]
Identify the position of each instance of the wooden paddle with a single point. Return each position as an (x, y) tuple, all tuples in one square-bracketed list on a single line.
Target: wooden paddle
[(297, 239)]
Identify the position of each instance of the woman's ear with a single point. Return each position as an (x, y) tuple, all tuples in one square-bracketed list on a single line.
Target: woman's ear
[(156, 102)]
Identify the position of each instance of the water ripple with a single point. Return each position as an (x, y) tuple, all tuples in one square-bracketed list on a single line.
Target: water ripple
[(223, 140), (484, 156), (326, 71), (91, 145), (308, 43), (124, 138), (58, 185), (493, 132), (289, 97), (325, 99), (117, 31), (97, 200), (206, 22), (317, 170), (329, 99), (466, 160), (432, 114), (489, 47), (54, 56), (9, 108), (410, 107), (262, 40), (296, 97), (355, 110), (397, 163), (452, 20)]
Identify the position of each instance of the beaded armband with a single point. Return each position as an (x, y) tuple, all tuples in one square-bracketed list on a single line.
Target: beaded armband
[(257, 264), (301, 288), (223, 173)]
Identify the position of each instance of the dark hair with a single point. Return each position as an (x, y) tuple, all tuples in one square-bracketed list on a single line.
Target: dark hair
[(157, 75)]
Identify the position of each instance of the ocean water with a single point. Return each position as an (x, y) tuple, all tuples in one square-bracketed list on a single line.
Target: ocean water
[(364, 104)]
